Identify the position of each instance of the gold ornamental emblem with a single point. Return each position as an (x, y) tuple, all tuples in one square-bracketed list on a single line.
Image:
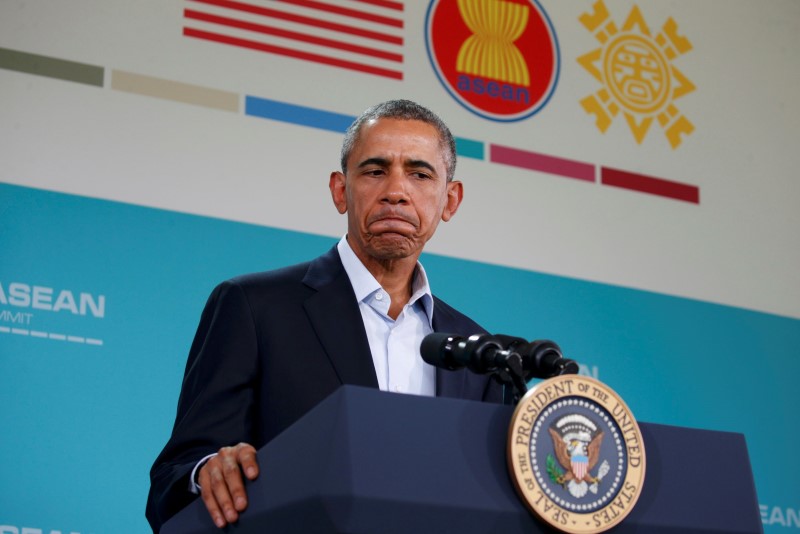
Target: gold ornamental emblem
[(638, 73), (576, 455)]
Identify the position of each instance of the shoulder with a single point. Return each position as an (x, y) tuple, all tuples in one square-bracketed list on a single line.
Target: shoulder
[(280, 285), (267, 279), (310, 273)]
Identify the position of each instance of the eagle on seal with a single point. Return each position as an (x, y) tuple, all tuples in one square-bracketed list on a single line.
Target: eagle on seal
[(578, 452)]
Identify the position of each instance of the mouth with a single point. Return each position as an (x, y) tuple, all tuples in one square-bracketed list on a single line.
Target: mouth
[(392, 218), (382, 226), (391, 223)]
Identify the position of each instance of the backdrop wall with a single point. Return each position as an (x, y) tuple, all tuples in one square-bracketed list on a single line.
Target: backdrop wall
[(634, 199)]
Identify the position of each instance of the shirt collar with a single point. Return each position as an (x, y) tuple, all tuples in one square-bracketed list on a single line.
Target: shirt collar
[(364, 284)]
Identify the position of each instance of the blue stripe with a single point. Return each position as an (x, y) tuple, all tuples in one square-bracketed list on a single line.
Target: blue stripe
[(304, 116)]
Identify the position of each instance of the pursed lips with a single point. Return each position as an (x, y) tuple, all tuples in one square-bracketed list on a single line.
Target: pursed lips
[(392, 220)]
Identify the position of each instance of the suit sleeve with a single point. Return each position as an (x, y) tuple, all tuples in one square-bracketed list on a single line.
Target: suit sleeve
[(216, 401)]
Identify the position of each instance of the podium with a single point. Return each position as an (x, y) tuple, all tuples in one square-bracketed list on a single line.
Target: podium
[(366, 461)]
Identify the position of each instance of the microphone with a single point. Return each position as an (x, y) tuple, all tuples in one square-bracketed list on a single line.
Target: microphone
[(540, 358), (484, 353), (480, 353)]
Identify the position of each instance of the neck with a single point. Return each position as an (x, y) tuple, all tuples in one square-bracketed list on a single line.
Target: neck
[(395, 276)]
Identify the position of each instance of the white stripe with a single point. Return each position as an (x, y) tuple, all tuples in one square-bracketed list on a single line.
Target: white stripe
[(50, 335)]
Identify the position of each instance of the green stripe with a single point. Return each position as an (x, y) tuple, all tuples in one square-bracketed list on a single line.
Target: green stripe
[(51, 67), (469, 148)]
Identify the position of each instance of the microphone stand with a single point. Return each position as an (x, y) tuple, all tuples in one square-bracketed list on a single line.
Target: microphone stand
[(511, 373)]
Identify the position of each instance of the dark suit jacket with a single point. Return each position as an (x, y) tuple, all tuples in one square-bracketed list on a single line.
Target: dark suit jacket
[(269, 347)]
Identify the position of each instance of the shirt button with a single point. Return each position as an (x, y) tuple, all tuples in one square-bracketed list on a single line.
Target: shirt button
[(398, 389), (379, 296)]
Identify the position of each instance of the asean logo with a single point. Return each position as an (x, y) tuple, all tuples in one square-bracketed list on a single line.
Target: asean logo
[(638, 74), (576, 455), (497, 58)]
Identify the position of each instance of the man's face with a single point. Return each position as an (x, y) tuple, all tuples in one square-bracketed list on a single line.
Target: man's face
[(396, 189)]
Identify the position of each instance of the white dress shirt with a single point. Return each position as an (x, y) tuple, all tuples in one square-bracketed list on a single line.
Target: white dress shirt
[(394, 343)]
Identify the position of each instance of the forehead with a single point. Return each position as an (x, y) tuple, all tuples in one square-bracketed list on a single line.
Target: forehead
[(396, 138)]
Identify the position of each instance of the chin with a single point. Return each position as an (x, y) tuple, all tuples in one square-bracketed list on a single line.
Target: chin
[(391, 248)]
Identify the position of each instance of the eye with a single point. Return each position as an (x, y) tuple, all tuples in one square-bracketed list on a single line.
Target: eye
[(422, 175), (374, 172)]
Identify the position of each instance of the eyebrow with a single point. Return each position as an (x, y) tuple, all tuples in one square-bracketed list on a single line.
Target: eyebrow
[(383, 162)]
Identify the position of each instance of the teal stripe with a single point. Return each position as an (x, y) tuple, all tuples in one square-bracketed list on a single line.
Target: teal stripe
[(469, 148), (51, 67)]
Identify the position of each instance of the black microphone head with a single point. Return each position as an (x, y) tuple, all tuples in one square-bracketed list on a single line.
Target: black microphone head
[(449, 351), (548, 359), (437, 350), (512, 343), (481, 353), (541, 358)]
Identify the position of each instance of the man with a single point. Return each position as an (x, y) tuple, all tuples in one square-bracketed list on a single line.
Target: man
[(270, 346)]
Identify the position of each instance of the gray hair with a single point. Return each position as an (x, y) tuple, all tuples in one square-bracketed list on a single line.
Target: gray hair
[(408, 111)]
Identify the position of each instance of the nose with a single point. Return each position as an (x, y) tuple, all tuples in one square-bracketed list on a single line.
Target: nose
[(396, 184)]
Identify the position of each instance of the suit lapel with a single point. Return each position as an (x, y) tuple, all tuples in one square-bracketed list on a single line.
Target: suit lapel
[(334, 315)]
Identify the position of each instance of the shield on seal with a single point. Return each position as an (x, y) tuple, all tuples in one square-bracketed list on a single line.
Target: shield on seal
[(579, 465)]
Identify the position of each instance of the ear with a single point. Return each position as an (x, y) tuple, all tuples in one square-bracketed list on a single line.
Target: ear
[(455, 194), (338, 192)]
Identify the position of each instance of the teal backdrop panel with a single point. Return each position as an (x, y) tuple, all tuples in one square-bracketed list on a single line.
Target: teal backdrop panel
[(100, 300)]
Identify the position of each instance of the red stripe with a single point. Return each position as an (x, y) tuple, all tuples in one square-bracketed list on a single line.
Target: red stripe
[(397, 6), (300, 19), (650, 184), (354, 13), (297, 54), (268, 30)]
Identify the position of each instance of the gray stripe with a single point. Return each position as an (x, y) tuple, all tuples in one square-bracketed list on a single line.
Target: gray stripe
[(51, 67)]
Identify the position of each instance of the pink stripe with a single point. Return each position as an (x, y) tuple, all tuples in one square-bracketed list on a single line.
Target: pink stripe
[(542, 163)]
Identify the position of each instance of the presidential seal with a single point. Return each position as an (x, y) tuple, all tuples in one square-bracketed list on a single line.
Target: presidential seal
[(575, 454)]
